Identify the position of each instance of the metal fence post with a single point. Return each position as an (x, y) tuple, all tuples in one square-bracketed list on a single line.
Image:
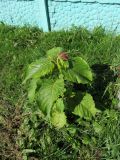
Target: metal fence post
[(44, 15)]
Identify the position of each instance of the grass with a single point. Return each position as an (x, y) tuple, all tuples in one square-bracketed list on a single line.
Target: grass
[(21, 46)]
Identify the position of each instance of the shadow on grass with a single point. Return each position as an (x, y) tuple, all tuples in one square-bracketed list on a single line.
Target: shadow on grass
[(103, 77)]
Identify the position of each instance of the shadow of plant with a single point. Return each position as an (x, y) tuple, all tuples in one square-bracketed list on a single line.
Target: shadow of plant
[(103, 76)]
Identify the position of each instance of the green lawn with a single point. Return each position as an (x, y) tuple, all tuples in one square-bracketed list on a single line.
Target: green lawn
[(96, 140)]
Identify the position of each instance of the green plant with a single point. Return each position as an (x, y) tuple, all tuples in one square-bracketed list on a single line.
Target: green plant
[(22, 45), (51, 84)]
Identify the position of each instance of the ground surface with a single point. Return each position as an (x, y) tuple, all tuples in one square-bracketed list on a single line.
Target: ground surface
[(21, 46)]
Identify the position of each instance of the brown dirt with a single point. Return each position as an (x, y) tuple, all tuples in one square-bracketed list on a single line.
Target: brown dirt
[(9, 123)]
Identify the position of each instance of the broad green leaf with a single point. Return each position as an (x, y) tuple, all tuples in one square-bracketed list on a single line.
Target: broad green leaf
[(59, 105), (80, 71), (32, 89), (54, 52), (39, 68), (86, 109), (49, 92), (58, 119)]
